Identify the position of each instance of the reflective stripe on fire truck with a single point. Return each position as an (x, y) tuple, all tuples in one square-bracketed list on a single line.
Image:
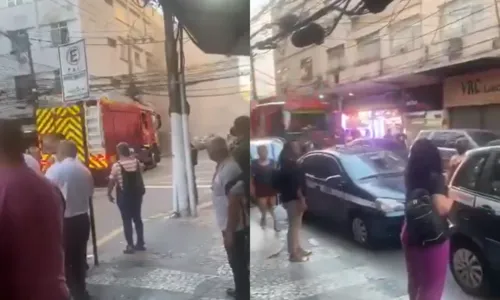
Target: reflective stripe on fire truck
[(64, 120), (95, 137)]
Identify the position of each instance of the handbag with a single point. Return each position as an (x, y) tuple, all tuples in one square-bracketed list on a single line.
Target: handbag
[(424, 225)]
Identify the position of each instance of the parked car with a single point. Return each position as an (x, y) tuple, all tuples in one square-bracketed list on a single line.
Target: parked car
[(475, 240), (446, 139), (382, 143), (359, 187)]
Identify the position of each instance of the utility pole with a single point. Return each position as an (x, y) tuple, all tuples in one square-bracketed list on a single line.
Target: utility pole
[(180, 190), (253, 82)]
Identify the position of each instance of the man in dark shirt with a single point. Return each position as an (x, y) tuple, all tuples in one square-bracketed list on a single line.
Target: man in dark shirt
[(241, 150), (31, 231)]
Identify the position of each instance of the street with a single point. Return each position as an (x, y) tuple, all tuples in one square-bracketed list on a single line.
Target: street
[(157, 202)]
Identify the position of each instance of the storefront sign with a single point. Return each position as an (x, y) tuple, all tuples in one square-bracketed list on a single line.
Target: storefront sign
[(472, 89)]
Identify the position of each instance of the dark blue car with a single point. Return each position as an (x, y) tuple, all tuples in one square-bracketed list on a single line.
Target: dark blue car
[(358, 186)]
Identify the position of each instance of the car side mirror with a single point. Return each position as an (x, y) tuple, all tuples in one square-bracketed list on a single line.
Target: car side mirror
[(496, 187)]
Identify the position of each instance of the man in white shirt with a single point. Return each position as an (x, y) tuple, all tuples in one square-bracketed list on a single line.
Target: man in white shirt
[(229, 201), (77, 186)]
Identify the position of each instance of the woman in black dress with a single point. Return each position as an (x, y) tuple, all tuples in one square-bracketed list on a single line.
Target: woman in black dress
[(291, 188), (262, 172)]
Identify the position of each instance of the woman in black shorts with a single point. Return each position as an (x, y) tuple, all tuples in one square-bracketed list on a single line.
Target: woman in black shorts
[(262, 171)]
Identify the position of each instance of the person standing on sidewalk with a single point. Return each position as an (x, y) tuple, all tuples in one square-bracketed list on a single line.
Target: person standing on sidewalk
[(261, 181), (31, 226), (229, 205), (291, 183), (126, 176), (77, 187)]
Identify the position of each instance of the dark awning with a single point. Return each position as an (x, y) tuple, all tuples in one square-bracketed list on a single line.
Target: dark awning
[(219, 27)]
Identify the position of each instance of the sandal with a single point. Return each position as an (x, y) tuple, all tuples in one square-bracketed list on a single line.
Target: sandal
[(305, 252), (298, 258)]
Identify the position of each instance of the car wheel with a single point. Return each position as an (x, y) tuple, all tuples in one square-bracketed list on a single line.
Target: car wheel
[(470, 269), (360, 231)]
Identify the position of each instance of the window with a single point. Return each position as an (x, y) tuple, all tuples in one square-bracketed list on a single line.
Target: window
[(406, 36), (369, 48), (24, 86), (446, 139), (320, 166), (112, 42), (336, 58), (12, 3), (461, 17), (137, 59), (423, 134), (469, 173), (124, 51), (306, 69), (495, 177), (367, 165), (482, 138), (149, 61), (59, 33)]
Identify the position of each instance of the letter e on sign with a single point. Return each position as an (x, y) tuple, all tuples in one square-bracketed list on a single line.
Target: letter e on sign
[(73, 55)]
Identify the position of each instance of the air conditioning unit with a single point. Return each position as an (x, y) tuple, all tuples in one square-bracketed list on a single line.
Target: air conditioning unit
[(455, 46)]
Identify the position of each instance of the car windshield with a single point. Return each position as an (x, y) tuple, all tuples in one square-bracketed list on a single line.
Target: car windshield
[(373, 164), (274, 148), (482, 138)]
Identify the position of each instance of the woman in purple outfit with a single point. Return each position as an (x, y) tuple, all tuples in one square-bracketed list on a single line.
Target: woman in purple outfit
[(427, 266)]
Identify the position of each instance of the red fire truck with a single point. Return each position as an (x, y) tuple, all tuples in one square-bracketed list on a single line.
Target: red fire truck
[(295, 117), (97, 126)]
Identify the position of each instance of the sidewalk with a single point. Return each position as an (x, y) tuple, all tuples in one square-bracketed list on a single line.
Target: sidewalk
[(185, 260)]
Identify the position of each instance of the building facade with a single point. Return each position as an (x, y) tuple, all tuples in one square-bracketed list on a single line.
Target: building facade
[(383, 61)]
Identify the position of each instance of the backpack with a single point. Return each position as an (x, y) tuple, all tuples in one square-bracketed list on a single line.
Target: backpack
[(424, 225), (244, 205), (133, 183)]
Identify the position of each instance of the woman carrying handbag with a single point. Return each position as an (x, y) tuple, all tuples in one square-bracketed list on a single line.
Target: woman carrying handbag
[(425, 231)]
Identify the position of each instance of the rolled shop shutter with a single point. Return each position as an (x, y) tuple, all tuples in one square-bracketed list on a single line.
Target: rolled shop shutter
[(491, 117), (465, 117)]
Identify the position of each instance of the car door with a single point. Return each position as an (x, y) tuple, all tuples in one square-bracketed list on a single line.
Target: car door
[(464, 189), (333, 196), (312, 169), (487, 205)]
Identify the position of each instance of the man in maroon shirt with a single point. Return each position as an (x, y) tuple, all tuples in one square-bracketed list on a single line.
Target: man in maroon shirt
[(31, 212)]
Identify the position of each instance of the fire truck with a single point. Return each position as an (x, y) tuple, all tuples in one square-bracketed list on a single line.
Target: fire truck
[(295, 117), (97, 126)]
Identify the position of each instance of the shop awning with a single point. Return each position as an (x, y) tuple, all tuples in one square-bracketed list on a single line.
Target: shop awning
[(419, 77), (219, 27)]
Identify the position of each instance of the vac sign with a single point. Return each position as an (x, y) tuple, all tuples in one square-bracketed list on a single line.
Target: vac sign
[(74, 71)]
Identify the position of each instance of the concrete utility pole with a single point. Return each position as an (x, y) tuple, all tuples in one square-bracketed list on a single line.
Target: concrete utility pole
[(180, 197), (253, 82)]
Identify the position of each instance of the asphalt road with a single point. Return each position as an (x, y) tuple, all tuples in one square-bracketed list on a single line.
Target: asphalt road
[(338, 269), (157, 200)]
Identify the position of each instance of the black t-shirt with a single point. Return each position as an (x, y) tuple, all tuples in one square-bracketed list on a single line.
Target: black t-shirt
[(292, 178), (263, 174)]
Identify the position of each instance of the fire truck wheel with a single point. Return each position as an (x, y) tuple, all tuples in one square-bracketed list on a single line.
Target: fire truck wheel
[(155, 153)]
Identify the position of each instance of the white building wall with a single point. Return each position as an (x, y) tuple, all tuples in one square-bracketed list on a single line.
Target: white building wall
[(432, 21)]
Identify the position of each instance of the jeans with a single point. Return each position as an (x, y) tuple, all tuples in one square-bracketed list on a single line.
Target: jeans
[(239, 260), (76, 236), (130, 210)]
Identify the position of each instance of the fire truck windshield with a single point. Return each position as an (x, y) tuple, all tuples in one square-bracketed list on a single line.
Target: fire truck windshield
[(304, 121)]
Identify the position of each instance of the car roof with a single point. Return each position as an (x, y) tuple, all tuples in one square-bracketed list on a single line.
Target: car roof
[(345, 151), (483, 150), (457, 130)]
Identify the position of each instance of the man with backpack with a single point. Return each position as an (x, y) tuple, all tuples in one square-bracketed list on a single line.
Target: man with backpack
[(126, 176)]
